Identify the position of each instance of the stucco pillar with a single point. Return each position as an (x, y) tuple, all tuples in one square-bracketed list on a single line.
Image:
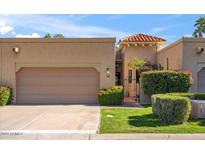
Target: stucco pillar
[(144, 99)]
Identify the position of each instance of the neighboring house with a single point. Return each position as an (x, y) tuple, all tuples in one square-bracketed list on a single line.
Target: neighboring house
[(68, 70), (184, 54), (139, 46)]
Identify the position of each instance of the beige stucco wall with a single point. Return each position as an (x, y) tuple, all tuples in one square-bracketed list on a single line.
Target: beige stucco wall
[(191, 60), (130, 53), (182, 56), (98, 53), (174, 54)]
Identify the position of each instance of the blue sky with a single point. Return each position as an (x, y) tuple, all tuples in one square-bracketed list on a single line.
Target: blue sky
[(170, 27)]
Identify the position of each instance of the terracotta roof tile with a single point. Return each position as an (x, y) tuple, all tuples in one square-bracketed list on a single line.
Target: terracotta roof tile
[(142, 38)]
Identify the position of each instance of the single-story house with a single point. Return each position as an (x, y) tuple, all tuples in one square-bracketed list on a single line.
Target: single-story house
[(67, 70), (73, 70), (184, 54)]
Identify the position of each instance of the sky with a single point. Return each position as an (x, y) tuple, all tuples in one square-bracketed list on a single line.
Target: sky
[(169, 26)]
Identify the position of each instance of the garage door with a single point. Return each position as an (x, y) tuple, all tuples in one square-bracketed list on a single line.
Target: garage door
[(201, 80), (57, 85)]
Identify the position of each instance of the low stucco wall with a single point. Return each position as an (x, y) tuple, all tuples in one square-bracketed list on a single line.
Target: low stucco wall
[(198, 109), (98, 53)]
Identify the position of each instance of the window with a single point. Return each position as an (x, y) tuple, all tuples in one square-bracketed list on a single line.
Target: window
[(137, 76), (118, 78), (130, 76), (167, 63)]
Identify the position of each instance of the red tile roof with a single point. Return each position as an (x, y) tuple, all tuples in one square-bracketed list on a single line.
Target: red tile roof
[(142, 38)]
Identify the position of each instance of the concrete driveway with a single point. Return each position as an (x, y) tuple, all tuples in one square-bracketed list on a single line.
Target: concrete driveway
[(76, 118)]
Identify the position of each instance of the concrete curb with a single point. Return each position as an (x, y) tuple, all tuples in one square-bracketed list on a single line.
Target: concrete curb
[(92, 136), (46, 134), (148, 137)]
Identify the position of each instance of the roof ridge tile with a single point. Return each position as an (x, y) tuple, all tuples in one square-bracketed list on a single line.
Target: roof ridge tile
[(142, 38)]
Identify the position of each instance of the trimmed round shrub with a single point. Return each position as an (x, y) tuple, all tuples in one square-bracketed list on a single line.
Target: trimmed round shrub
[(5, 95), (171, 109), (165, 81), (112, 96)]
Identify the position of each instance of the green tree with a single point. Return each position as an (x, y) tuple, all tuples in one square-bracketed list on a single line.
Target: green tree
[(48, 35), (199, 27), (138, 64), (58, 36)]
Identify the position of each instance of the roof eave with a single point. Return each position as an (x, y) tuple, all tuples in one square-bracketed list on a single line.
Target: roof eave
[(125, 43)]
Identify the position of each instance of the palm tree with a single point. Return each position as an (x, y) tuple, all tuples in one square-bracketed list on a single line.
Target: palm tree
[(58, 36), (200, 27), (138, 64), (48, 35)]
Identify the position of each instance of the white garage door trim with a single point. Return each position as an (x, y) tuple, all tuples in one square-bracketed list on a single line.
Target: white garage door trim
[(57, 85)]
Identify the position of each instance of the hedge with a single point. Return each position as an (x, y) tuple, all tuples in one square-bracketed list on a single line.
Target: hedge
[(171, 109), (165, 81), (5, 95), (197, 96), (189, 95), (112, 96)]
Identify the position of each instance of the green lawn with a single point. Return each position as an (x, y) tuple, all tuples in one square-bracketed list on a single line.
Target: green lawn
[(124, 120)]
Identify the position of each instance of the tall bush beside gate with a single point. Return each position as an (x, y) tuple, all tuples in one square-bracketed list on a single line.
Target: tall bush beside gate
[(166, 81), (5, 95)]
